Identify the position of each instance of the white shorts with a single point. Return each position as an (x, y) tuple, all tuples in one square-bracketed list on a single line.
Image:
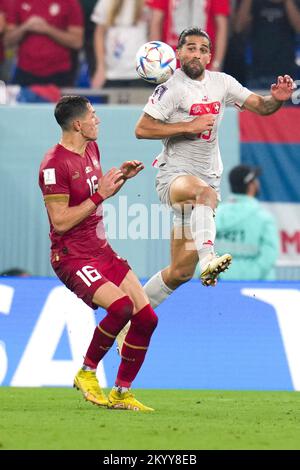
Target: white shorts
[(166, 176)]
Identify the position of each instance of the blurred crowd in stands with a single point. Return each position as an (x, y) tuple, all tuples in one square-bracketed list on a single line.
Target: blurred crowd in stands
[(49, 44)]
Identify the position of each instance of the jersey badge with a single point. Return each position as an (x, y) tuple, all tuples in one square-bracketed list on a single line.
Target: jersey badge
[(54, 9), (49, 176), (208, 108), (25, 6), (158, 93), (88, 169)]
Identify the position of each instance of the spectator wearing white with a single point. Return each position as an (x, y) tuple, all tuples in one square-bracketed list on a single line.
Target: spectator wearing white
[(121, 27)]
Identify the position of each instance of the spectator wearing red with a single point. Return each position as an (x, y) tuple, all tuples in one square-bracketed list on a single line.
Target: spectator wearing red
[(2, 27), (46, 33), (170, 17)]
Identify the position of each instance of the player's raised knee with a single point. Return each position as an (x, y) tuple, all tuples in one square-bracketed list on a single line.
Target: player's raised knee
[(207, 196)]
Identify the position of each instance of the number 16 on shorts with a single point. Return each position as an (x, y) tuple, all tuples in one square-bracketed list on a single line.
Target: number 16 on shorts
[(89, 275)]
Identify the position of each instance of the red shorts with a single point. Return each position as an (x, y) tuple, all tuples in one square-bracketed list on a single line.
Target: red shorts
[(85, 276)]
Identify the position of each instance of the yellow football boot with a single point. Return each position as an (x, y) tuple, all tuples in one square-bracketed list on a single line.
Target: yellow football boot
[(211, 271), (87, 382), (125, 401)]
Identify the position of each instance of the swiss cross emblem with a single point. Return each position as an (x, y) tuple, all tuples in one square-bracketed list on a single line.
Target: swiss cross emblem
[(208, 108), (197, 109)]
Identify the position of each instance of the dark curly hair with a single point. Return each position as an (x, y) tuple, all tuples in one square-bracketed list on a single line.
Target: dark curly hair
[(192, 32)]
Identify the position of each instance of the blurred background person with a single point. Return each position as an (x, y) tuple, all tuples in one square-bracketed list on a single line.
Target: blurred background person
[(235, 63), (169, 17), (84, 63), (2, 28), (45, 32), (15, 272), (121, 28), (246, 229), (272, 26)]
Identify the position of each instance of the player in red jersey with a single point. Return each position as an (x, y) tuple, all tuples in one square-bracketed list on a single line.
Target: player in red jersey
[(74, 188)]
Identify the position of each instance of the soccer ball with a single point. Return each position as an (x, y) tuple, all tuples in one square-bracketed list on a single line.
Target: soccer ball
[(155, 62)]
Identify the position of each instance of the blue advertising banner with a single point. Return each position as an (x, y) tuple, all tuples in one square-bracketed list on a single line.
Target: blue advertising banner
[(236, 336)]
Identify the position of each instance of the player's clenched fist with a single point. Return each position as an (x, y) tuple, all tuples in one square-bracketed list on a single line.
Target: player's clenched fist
[(200, 124)]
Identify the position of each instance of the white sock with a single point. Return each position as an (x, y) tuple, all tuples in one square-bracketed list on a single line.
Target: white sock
[(120, 389), (157, 290), (203, 229), (84, 367)]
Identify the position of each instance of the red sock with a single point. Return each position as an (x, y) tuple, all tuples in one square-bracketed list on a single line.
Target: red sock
[(118, 315), (135, 346)]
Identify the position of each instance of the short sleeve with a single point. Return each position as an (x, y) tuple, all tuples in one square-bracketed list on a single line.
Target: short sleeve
[(12, 9), (100, 12), (158, 4), (54, 180), (161, 103), (76, 14), (221, 7), (236, 93)]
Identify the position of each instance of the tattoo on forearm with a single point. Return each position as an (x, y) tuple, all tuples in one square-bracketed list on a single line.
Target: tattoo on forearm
[(270, 105)]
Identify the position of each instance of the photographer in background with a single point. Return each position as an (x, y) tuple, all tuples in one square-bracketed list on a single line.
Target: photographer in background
[(246, 230)]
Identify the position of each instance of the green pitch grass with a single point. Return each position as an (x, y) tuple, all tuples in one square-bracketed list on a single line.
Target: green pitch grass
[(59, 418)]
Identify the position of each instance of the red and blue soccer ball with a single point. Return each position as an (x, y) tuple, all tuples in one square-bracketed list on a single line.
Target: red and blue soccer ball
[(155, 62)]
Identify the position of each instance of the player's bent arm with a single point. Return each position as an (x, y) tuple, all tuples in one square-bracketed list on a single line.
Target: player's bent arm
[(220, 41), (148, 127), (63, 217), (71, 38), (263, 105), (2, 22), (14, 34), (156, 24)]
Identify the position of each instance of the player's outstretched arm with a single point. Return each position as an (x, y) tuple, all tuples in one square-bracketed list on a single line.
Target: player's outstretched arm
[(128, 169), (64, 218), (265, 105), (131, 168)]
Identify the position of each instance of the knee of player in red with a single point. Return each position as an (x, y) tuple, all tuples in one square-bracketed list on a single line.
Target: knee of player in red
[(118, 315), (143, 323)]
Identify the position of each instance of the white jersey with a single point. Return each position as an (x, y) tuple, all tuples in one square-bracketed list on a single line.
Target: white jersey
[(181, 99), (122, 38)]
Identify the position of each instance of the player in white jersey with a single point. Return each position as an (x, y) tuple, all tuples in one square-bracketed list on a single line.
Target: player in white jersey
[(185, 112)]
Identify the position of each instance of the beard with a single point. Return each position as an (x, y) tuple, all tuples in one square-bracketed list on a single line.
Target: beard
[(192, 71)]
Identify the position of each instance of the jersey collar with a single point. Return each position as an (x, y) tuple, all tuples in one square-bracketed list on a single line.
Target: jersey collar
[(185, 78)]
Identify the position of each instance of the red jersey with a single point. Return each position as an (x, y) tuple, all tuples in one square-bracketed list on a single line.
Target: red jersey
[(2, 12), (39, 54), (179, 16), (65, 173)]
